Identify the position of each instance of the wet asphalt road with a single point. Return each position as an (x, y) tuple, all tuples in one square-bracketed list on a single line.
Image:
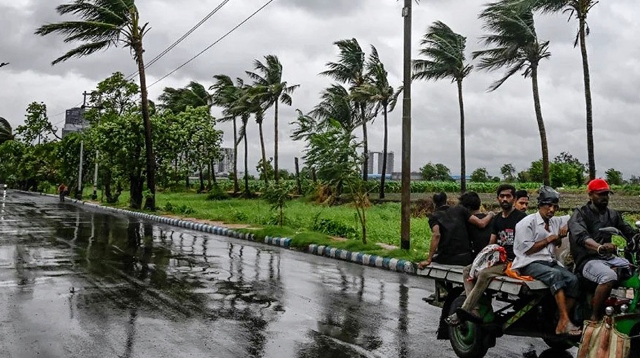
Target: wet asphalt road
[(79, 283)]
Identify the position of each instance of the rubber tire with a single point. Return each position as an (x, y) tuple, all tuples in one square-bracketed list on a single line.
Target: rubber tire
[(467, 339), (558, 343)]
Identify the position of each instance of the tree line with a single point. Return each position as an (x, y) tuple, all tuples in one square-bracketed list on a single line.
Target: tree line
[(360, 93)]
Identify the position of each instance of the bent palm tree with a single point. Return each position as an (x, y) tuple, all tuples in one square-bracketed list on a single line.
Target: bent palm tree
[(178, 99), (6, 133), (378, 91), (102, 24), (515, 46), (226, 95), (270, 89), (351, 69), (444, 50), (580, 9), (336, 105)]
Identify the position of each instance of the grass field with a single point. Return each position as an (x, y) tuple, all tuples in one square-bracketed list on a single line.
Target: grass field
[(307, 222)]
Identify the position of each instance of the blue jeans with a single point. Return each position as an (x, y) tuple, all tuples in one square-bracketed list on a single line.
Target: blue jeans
[(554, 276)]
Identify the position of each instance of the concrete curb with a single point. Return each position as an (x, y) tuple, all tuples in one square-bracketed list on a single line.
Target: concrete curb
[(386, 263)]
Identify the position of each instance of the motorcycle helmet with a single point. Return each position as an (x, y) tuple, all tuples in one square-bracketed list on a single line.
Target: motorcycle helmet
[(547, 195)]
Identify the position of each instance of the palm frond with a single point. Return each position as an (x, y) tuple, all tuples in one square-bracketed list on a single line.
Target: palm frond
[(83, 50)]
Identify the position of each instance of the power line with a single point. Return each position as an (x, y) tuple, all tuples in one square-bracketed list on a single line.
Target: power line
[(213, 44), (182, 38)]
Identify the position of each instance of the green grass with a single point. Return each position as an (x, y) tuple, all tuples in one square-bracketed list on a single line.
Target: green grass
[(383, 221)]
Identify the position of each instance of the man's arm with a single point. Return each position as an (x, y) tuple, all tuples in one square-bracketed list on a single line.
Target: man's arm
[(482, 223), (435, 240), (539, 245), (580, 235), (493, 239)]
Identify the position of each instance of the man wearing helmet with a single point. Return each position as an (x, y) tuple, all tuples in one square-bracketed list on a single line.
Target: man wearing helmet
[(535, 241), (592, 250)]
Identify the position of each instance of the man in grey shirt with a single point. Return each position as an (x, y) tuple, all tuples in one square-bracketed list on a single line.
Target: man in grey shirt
[(535, 241)]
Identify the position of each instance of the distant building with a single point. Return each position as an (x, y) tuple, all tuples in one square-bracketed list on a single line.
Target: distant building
[(74, 121), (370, 165), (412, 176), (225, 165)]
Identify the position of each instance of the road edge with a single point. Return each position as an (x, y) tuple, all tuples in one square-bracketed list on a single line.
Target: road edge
[(386, 263)]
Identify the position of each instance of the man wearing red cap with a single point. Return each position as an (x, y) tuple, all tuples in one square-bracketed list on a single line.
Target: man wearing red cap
[(592, 250)]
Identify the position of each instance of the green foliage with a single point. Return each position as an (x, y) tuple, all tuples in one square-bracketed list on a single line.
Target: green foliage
[(614, 177), (436, 172), (480, 175), (6, 133), (261, 168), (36, 128), (217, 193), (508, 172), (277, 196), (179, 209), (336, 228)]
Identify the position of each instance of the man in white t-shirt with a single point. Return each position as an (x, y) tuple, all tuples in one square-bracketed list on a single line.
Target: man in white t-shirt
[(537, 235)]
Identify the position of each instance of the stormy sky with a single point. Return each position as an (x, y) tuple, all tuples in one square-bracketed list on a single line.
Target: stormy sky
[(501, 126)]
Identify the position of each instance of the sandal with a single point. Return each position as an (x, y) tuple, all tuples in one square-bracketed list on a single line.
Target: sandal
[(571, 331)]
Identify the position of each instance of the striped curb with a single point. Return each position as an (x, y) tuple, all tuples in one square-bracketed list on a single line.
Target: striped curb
[(363, 259), (277, 241), (386, 263)]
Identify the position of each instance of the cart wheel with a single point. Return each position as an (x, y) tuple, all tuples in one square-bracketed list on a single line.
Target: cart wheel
[(558, 343), (467, 339)]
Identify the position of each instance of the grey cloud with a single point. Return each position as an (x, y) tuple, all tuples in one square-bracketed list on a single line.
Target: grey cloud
[(501, 125)]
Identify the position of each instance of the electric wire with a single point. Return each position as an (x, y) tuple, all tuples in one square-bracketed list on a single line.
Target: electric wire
[(182, 38), (213, 44)]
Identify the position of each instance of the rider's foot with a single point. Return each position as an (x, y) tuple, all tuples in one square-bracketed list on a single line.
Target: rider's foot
[(569, 329)]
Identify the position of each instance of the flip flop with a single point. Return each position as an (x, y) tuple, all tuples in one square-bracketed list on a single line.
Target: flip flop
[(465, 315), (571, 331)]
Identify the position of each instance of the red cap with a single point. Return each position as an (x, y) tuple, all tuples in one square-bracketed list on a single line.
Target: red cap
[(598, 185)]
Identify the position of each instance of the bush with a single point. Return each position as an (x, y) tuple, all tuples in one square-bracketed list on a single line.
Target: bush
[(336, 228), (217, 193)]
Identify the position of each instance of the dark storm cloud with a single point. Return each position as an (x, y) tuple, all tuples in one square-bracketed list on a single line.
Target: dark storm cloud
[(501, 125)]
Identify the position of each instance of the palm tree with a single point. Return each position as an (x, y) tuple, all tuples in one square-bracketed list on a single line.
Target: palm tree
[(580, 9), (515, 46), (178, 99), (270, 89), (336, 104), (351, 69), (378, 91), (244, 106), (445, 59), (102, 24), (6, 133), (226, 95)]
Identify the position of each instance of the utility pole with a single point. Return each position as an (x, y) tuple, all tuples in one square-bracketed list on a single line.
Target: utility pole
[(405, 221), (79, 191)]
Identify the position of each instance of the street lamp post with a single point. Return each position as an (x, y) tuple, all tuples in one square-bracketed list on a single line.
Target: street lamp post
[(405, 223)]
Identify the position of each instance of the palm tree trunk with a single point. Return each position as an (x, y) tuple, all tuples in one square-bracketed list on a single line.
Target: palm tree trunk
[(543, 132), (247, 193), (384, 152), (463, 160), (587, 97), (275, 145), (150, 202), (236, 186), (264, 155), (365, 144)]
